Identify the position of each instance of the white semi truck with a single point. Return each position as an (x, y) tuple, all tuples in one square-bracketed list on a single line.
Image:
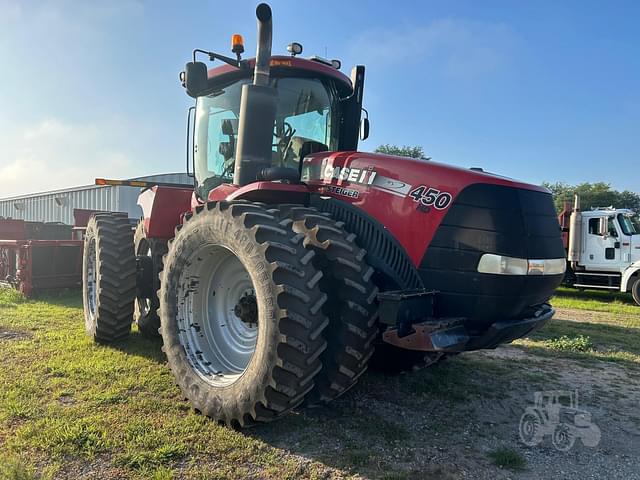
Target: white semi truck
[(603, 248)]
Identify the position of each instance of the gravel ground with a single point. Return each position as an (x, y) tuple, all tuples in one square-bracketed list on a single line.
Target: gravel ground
[(447, 439)]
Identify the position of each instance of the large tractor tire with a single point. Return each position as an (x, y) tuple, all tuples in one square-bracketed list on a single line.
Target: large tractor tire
[(108, 277), (241, 311), (352, 306), (149, 254)]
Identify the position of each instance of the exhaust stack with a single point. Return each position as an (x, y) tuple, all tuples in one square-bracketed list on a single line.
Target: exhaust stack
[(575, 234), (258, 103), (263, 49)]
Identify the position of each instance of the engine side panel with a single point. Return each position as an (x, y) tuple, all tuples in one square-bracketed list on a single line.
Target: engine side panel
[(410, 197)]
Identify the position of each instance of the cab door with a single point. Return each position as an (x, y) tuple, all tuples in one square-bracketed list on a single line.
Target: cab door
[(602, 249)]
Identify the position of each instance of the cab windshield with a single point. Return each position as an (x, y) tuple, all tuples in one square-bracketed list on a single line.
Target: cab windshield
[(306, 112), (629, 224)]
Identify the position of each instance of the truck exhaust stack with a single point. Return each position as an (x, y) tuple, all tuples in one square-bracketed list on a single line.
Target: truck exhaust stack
[(575, 234), (257, 109)]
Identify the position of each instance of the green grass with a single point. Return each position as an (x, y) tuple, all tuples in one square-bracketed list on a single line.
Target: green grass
[(66, 403), (508, 458), (571, 344), (10, 297), (14, 468), (595, 300), (611, 338), (64, 399)]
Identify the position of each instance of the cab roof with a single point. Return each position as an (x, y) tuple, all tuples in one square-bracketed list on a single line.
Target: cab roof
[(282, 66), (603, 211)]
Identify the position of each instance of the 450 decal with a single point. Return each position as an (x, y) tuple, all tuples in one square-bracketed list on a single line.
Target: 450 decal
[(429, 196)]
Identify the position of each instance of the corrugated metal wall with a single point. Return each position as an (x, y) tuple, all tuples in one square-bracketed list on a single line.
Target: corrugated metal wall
[(58, 205)]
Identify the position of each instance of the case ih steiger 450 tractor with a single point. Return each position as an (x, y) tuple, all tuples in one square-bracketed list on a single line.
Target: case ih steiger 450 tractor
[(296, 260)]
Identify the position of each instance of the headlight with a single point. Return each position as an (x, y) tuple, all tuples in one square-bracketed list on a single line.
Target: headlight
[(503, 265), (550, 266)]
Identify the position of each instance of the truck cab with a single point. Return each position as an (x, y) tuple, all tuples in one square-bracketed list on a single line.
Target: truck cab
[(616, 247), (603, 247)]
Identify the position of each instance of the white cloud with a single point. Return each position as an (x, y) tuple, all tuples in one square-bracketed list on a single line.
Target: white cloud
[(458, 48), (54, 154)]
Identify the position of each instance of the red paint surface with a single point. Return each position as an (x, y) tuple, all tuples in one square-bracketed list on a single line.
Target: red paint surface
[(162, 208), (268, 192), (20, 255), (413, 229), (283, 62), (11, 229), (81, 216)]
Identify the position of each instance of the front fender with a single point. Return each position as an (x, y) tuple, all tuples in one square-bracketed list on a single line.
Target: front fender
[(631, 270), (162, 208)]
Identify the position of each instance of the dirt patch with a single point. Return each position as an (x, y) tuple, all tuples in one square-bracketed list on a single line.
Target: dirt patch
[(446, 425), (6, 334), (590, 316)]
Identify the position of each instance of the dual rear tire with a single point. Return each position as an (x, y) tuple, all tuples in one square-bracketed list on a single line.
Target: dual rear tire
[(242, 313), (262, 308)]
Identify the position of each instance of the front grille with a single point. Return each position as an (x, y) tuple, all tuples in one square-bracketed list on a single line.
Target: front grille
[(492, 219)]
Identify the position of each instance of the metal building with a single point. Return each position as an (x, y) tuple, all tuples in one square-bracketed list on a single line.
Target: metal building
[(58, 205)]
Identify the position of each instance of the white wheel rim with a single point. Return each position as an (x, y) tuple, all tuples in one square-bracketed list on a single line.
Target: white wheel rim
[(218, 344), (144, 304), (91, 283)]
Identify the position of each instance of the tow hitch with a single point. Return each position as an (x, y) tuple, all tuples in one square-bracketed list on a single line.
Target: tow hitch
[(413, 326)]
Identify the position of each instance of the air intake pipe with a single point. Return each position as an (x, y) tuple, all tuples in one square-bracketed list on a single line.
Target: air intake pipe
[(258, 103)]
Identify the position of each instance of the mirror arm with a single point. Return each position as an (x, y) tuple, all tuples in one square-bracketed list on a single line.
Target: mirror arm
[(234, 62)]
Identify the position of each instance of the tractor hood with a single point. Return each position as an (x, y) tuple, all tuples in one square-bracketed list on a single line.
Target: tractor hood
[(400, 189), (452, 223)]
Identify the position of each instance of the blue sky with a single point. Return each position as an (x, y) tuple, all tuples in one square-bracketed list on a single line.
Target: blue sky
[(532, 90)]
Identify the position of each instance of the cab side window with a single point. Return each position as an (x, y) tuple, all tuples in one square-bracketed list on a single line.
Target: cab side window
[(611, 226)]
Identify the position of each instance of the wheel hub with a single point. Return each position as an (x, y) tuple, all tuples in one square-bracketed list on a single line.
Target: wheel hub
[(247, 309)]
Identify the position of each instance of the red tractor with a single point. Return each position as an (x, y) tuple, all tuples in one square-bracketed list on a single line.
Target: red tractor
[(296, 260)]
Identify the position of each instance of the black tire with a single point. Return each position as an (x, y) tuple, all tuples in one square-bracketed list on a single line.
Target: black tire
[(289, 341), (145, 312), (352, 306), (635, 291), (108, 277)]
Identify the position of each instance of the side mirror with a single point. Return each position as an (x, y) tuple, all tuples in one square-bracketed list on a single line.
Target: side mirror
[(194, 78), (364, 128), (603, 226)]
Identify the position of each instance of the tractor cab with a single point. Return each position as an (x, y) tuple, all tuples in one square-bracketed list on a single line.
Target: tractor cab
[(314, 108), (556, 399)]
